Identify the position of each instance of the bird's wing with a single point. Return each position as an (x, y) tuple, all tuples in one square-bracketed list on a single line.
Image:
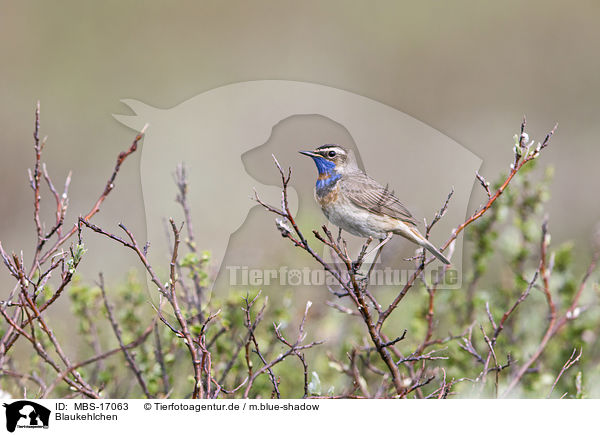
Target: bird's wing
[(367, 193)]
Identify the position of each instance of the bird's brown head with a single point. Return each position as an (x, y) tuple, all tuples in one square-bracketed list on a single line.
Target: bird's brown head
[(332, 157)]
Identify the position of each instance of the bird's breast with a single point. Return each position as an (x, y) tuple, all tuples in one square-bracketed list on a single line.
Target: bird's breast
[(327, 196), (345, 214)]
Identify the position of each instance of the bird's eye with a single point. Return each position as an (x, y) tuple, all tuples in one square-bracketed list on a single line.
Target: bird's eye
[(331, 154)]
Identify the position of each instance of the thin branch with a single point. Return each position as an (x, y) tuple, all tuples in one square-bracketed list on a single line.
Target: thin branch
[(570, 362)]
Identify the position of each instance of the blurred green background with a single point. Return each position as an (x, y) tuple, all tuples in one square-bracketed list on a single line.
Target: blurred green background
[(468, 69)]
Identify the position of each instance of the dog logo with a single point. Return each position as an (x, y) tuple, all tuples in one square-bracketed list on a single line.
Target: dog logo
[(26, 414)]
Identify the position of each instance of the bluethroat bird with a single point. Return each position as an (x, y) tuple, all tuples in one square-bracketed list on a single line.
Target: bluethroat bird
[(356, 203)]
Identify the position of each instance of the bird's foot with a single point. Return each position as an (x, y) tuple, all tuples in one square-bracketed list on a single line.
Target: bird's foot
[(356, 268)]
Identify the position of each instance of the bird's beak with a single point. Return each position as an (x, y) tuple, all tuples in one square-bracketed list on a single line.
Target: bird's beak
[(309, 153)]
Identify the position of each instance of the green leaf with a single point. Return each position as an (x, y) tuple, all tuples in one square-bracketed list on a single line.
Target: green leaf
[(314, 386)]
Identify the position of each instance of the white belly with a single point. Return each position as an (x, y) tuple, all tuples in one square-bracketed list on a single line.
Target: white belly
[(356, 220)]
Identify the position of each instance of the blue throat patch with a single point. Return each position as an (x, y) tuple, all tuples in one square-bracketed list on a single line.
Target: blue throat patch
[(327, 173)]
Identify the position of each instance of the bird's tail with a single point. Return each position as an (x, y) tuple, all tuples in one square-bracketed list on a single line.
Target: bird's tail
[(427, 245), (412, 233)]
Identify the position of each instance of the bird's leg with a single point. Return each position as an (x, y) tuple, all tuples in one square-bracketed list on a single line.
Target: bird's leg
[(339, 239), (377, 248), (368, 277), (381, 244)]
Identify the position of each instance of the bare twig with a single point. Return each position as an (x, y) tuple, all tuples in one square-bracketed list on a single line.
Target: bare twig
[(570, 362)]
